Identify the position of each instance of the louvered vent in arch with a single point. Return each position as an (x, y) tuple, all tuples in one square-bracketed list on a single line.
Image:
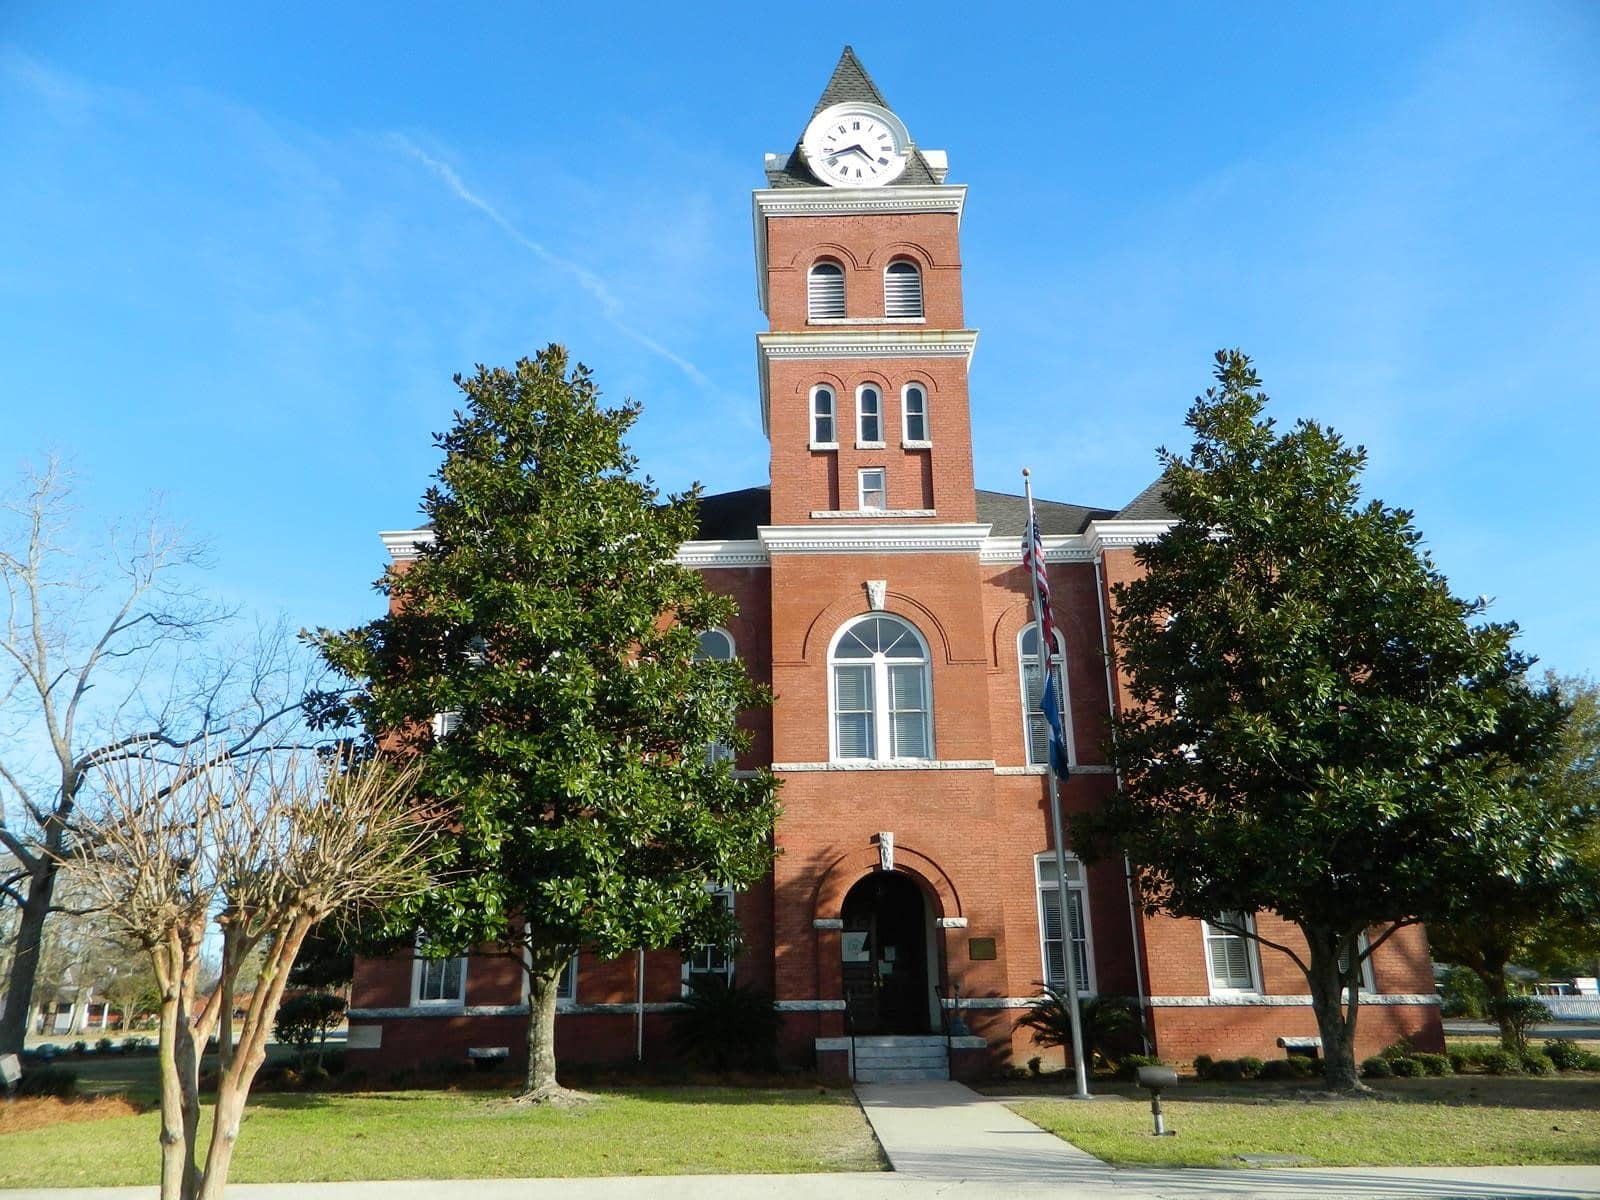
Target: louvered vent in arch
[(825, 291), (902, 290)]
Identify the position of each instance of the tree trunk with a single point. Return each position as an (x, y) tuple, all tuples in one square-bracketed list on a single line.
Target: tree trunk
[(25, 959), (1492, 970), (1335, 1001), (546, 962)]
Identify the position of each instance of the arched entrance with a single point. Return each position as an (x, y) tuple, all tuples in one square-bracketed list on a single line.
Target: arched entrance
[(886, 948)]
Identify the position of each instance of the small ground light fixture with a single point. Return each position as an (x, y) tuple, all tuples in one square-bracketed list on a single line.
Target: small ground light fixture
[(1156, 1078)]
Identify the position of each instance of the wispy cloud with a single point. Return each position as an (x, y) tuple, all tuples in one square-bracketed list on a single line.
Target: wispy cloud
[(611, 306)]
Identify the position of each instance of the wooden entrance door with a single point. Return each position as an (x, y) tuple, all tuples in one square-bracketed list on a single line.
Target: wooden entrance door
[(884, 951)]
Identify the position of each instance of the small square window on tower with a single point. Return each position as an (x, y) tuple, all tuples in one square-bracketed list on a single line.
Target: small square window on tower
[(874, 489)]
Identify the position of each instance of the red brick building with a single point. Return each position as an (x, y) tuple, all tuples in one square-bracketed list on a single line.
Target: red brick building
[(883, 600)]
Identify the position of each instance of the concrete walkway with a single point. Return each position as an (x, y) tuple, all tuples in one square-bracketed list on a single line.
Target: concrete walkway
[(945, 1140)]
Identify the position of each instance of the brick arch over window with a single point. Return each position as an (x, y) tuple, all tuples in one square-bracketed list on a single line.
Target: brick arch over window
[(882, 256), (849, 869), (804, 258), (826, 623), (1010, 622)]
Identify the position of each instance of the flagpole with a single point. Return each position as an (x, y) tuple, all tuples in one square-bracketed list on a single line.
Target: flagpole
[(1068, 946)]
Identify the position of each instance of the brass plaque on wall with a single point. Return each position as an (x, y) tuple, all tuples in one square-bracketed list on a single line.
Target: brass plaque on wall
[(980, 949)]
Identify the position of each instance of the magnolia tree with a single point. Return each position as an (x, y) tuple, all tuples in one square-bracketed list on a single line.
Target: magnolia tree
[(258, 851), (583, 758), (1319, 728)]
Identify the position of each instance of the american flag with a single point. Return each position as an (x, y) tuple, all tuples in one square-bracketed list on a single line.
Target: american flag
[(1049, 702)]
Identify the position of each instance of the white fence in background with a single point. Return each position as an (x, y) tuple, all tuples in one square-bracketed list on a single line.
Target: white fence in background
[(1572, 1008)]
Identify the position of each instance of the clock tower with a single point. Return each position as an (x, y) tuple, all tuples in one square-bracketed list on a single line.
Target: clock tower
[(863, 368)]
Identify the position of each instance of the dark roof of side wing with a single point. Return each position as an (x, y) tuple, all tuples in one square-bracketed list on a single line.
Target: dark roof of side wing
[(1148, 505)]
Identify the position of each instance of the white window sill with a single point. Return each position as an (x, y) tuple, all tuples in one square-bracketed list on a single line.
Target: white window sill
[(443, 1005), (912, 444), (866, 320), (824, 445), (821, 514), (871, 445)]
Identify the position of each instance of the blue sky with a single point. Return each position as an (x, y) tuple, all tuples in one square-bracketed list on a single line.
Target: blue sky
[(243, 254)]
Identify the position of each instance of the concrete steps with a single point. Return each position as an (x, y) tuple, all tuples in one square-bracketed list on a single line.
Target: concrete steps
[(901, 1059)]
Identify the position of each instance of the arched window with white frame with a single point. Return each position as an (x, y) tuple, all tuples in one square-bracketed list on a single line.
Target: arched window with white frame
[(716, 645), (880, 691), (869, 416), (825, 291), (1035, 730), (902, 289), (1053, 933), (914, 415), (824, 429)]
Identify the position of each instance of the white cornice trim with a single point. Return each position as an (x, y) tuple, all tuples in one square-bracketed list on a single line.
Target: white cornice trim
[(1120, 535), (402, 543), (841, 202), (740, 553), (1058, 548), (872, 539), (1249, 1000), (835, 343)]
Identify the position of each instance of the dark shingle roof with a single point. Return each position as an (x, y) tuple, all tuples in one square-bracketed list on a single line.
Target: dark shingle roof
[(734, 516), (1148, 505), (849, 83), (1008, 515)]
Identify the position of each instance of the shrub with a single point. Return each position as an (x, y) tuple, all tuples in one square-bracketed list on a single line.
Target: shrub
[(1434, 1064), (724, 1026), (307, 1018), (1589, 1062), (1517, 1015), (1128, 1068), (1112, 1025), (1250, 1066), (48, 1081), (1227, 1070), (1536, 1063), (1565, 1053), (1462, 994), (1459, 1062), (1502, 1062), (1203, 1065), (1376, 1067), (1399, 1048), (1304, 1066), (104, 1045), (1278, 1068), (1406, 1068), (131, 1044), (80, 1047)]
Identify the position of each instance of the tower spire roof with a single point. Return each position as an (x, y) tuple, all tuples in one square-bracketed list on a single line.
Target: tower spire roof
[(848, 84)]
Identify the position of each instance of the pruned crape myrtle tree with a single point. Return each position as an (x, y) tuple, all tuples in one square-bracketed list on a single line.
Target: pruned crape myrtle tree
[(1540, 910), (108, 655), (1318, 727), (256, 851), (546, 615)]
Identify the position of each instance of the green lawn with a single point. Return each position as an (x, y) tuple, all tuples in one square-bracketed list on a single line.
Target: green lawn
[(1430, 1126), (300, 1137)]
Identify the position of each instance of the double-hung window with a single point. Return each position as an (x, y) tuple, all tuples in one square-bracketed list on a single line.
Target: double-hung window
[(882, 702), (1053, 933), (873, 490), (711, 958), (1036, 732), (440, 981), (869, 416), (824, 433), (825, 292), (1231, 959)]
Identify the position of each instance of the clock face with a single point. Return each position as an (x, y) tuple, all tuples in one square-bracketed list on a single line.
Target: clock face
[(856, 145)]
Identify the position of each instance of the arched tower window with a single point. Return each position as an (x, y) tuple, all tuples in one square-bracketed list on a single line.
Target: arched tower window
[(824, 432), (825, 291), (869, 415), (902, 289), (914, 413), (881, 694), (1036, 732)]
